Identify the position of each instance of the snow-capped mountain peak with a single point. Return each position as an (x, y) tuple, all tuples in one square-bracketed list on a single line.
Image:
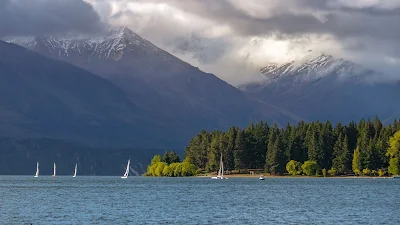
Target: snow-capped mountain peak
[(122, 31), (313, 67), (112, 45)]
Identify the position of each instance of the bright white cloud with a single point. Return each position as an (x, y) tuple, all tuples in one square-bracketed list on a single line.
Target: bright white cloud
[(234, 39)]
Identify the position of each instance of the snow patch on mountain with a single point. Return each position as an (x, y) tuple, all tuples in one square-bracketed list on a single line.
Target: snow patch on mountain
[(109, 46), (314, 67), (27, 42)]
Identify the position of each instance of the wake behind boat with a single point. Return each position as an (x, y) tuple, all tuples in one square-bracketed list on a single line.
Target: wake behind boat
[(220, 174), (37, 170), (126, 171)]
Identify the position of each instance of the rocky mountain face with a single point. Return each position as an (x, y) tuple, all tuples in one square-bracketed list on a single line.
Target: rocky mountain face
[(42, 97), (169, 97), (322, 87)]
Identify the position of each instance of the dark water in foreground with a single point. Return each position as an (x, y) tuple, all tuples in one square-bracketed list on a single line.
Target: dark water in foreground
[(145, 200)]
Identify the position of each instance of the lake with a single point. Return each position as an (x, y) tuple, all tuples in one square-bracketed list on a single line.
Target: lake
[(147, 200)]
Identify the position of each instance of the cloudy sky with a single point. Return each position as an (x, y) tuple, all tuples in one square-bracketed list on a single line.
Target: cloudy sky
[(230, 38)]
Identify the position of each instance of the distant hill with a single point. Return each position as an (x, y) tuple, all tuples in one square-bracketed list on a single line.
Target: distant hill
[(42, 97), (19, 157), (321, 87)]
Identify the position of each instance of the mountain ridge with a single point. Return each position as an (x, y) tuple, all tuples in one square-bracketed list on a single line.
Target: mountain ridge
[(43, 97), (166, 91), (317, 66), (322, 87)]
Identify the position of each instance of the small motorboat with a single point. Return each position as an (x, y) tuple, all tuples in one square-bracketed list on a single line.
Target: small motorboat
[(261, 177)]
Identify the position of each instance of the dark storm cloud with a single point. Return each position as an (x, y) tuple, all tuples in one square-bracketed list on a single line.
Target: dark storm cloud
[(302, 16), (47, 17)]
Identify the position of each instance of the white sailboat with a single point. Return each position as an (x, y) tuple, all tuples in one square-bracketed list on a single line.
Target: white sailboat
[(126, 171), (220, 174), (76, 168), (54, 172), (37, 169)]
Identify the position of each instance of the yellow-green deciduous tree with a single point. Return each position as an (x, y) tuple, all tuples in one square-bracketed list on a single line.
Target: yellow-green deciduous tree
[(310, 167), (393, 153), (151, 169), (293, 167), (188, 169), (160, 168)]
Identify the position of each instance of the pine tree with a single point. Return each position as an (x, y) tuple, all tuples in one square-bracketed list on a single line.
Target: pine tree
[(213, 154), (363, 142), (173, 157), (352, 133), (377, 126), (287, 140), (338, 130), (239, 151), (275, 160), (356, 164), (315, 152), (346, 155), (204, 147), (166, 158), (260, 133), (337, 163), (223, 147), (368, 156), (327, 142), (193, 149), (250, 146), (381, 146), (229, 160), (269, 160)]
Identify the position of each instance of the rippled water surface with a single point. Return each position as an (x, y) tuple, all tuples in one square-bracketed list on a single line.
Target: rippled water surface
[(146, 200)]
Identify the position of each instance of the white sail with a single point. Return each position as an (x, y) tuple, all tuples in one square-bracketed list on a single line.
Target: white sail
[(54, 172), (37, 169), (127, 170), (76, 167), (220, 174), (222, 168)]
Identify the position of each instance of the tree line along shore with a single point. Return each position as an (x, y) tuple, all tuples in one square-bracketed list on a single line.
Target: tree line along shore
[(366, 148)]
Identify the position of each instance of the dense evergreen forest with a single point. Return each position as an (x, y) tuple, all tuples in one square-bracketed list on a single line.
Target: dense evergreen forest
[(364, 148)]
